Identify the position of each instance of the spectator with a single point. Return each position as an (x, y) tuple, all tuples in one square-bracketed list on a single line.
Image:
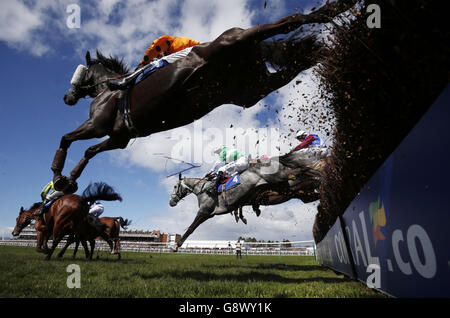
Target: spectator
[(238, 249)]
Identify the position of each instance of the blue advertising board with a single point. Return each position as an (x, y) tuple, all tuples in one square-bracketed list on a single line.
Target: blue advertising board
[(398, 227), (332, 251)]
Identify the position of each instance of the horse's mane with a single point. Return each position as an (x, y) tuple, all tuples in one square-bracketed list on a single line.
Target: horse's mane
[(112, 63), (35, 205)]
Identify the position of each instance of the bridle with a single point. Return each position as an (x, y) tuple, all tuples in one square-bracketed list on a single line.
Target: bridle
[(178, 194), (91, 86), (182, 185), (26, 222), (88, 87)]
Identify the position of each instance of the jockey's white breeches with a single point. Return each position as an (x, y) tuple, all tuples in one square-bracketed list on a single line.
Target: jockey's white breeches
[(96, 210), (53, 195), (236, 166)]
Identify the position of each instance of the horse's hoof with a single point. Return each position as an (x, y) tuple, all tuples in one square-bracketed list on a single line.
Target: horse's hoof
[(245, 221), (71, 187), (43, 251), (60, 182)]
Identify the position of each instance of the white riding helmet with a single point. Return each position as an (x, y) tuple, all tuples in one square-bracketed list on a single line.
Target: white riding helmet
[(301, 133), (218, 150)]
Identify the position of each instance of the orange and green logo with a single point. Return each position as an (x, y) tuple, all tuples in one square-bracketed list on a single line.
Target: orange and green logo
[(378, 219)]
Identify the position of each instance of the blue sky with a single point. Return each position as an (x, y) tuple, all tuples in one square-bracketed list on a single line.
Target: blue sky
[(38, 57)]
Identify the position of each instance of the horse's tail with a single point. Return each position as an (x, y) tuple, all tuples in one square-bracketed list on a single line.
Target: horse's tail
[(100, 191), (290, 51), (123, 223)]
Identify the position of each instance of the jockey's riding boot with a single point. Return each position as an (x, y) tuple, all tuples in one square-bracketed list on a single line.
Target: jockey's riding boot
[(41, 209), (217, 182)]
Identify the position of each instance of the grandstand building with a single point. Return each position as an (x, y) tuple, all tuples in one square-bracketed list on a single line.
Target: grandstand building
[(155, 241), (29, 233)]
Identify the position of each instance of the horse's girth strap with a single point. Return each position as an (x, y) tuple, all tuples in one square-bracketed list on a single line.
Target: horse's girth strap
[(123, 104)]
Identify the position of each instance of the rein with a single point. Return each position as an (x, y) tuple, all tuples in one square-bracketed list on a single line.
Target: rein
[(192, 190), (104, 81)]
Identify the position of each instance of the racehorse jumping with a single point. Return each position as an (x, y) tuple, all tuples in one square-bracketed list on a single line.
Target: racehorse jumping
[(66, 216), (110, 234), (229, 70), (295, 175)]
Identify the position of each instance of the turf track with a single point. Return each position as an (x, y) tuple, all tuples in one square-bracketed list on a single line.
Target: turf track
[(26, 274)]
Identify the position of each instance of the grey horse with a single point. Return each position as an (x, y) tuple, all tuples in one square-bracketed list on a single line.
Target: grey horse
[(295, 175)]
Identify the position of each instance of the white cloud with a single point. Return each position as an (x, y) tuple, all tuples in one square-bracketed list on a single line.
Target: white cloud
[(5, 232), (18, 24)]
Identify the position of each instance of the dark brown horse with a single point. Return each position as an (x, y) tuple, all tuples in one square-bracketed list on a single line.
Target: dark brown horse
[(304, 190), (230, 69), (110, 234), (66, 216)]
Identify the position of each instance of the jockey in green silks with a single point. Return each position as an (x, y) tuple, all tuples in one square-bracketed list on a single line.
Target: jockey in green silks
[(48, 197), (230, 161)]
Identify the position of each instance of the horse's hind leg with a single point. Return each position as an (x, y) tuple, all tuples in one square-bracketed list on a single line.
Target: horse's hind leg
[(92, 243), (287, 24), (116, 250), (77, 244)]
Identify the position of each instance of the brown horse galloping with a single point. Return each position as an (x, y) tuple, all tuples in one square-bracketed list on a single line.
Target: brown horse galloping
[(229, 70), (110, 234), (66, 216)]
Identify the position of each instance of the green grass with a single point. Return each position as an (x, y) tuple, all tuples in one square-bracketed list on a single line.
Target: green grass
[(24, 273)]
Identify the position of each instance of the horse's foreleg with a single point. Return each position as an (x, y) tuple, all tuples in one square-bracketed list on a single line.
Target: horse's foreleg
[(39, 242), (202, 216), (85, 131), (256, 209), (70, 240), (241, 216), (236, 215), (54, 245), (108, 144)]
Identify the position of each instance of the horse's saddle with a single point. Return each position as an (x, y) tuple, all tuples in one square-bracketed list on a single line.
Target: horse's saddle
[(47, 206), (142, 73), (230, 183), (136, 77)]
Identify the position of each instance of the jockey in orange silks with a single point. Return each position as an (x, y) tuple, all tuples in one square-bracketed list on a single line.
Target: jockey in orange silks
[(166, 45)]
